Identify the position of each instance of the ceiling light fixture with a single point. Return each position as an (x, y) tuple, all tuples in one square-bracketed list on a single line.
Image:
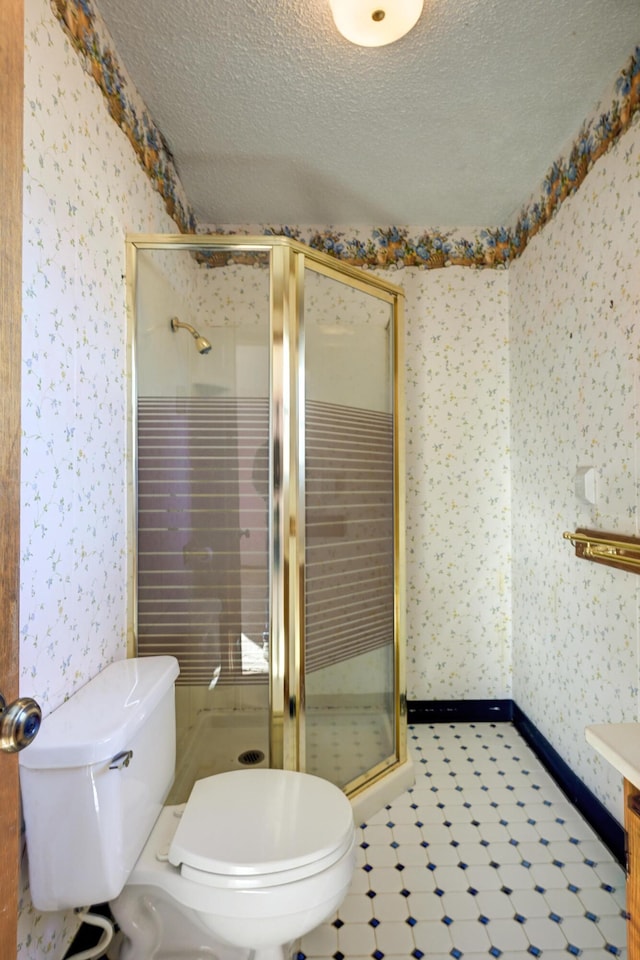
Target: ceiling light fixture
[(374, 24)]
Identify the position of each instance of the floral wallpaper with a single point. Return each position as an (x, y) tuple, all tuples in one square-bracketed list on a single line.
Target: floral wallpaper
[(575, 347), (458, 486), (83, 191), (89, 38)]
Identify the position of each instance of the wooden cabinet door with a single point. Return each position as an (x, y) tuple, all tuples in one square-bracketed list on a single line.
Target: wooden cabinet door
[(632, 827)]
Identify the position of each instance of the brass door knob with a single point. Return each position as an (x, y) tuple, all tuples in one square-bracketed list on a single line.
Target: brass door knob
[(19, 723)]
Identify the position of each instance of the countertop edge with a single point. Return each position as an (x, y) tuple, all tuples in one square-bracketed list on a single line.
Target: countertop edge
[(619, 745)]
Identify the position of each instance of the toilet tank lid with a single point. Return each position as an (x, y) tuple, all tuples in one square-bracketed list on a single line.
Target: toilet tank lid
[(100, 719)]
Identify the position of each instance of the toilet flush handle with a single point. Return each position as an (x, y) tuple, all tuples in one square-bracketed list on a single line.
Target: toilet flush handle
[(19, 723), (121, 760)]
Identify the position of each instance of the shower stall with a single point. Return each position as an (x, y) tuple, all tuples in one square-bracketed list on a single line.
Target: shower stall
[(267, 505)]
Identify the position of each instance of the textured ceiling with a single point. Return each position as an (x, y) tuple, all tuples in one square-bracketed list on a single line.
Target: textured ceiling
[(274, 118)]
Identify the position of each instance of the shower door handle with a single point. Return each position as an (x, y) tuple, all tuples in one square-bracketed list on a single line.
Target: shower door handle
[(19, 723)]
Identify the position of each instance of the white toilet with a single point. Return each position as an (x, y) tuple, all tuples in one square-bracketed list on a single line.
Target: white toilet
[(254, 859)]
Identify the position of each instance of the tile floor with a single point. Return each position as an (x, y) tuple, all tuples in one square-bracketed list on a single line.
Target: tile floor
[(340, 744), (483, 857)]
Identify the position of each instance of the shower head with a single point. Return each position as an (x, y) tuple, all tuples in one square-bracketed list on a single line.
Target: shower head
[(202, 345)]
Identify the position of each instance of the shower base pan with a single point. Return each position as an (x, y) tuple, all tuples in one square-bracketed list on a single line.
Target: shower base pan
[(222, 741)]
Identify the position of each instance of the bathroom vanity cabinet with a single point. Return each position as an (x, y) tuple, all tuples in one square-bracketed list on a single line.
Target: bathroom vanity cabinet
[(619, 744)]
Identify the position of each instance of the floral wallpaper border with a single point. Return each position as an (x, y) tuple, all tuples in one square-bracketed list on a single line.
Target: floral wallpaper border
[(90, 39), (386, 247)]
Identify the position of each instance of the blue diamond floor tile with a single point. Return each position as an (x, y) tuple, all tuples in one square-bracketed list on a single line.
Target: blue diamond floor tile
[(470, 779)]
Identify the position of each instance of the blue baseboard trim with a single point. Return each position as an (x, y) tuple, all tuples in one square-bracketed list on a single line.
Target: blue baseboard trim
[(486, 711), (459, 711), (595, 813)]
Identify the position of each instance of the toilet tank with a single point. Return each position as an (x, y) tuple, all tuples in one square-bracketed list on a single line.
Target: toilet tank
[(94, 780)]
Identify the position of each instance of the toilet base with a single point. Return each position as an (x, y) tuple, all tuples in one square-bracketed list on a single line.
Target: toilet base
[(154, 927), (165, 915), (275, 953)]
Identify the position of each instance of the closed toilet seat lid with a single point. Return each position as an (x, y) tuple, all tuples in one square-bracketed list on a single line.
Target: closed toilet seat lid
[(251, 822)]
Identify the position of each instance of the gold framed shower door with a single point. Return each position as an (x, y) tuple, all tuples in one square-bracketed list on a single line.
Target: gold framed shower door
[(288, 261)]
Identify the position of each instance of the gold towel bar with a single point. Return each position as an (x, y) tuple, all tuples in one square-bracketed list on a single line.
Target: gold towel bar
[(613, 549)]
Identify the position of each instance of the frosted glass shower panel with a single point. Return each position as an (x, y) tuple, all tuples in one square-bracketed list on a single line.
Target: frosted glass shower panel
[(202, 427), (349, 532)]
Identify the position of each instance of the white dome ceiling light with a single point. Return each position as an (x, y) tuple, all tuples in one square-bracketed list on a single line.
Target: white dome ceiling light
[(374, 23)]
